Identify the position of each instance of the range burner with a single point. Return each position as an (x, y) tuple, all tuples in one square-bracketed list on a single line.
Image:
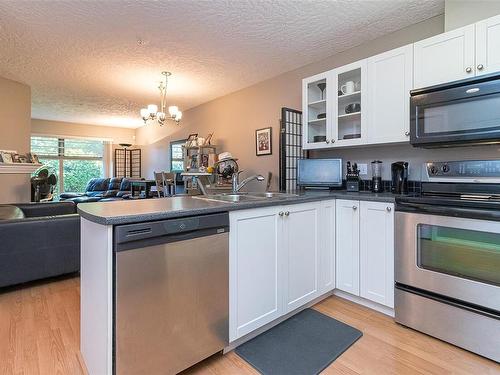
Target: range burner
[(473, 186)]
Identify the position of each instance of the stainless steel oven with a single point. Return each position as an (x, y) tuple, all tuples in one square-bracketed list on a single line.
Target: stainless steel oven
[(451, 256), (447, 258), (458, 113)]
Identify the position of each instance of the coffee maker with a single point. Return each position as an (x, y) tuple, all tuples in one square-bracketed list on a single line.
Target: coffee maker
[(377, 186), (399, 171)]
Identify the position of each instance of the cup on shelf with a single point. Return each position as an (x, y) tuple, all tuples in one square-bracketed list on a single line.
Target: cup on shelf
[(348, 88), (353, 107)]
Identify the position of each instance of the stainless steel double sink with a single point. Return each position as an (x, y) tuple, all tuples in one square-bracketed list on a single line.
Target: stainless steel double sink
[(244, 197)]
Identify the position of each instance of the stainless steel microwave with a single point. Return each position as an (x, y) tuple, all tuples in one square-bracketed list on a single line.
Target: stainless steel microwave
[(460, 113)]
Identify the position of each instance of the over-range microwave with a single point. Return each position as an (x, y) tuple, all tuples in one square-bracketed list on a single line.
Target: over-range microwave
[(465, 112)]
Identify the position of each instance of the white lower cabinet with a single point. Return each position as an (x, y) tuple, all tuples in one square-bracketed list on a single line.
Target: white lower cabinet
[(347, 246), (274, 263), (327, 249), (256, 255), (302, 243), (283, 257), (377, 252), (365, 250)]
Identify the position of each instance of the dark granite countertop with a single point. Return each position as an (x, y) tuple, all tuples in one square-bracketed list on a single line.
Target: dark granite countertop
[(141, 210)]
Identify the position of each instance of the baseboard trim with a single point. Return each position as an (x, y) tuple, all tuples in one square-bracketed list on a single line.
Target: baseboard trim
[(233, 345), (364, 302)]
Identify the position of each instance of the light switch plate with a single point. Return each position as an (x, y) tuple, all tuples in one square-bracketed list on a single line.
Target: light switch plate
[(363, 169)]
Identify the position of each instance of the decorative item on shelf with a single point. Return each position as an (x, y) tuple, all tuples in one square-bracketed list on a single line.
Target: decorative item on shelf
[(208, 139), (321, 115), (16, 158), (24, 159), (7, 156), (352, 136), (263, 141), (33, 158), (352, 108), (352, 177), (192, 140), (161, 116), (319, 138), (322, 87)]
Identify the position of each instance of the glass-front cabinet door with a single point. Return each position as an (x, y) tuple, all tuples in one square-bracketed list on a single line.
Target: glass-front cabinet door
[(316, 103), (349, 120)]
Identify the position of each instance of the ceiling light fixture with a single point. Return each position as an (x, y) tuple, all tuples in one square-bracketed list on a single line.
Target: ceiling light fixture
[(152, 113)]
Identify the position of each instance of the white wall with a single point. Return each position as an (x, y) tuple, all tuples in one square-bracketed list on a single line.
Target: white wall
[(459, 13), (15, 127)]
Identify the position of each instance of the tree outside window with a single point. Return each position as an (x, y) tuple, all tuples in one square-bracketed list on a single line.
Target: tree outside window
[(74, 161)]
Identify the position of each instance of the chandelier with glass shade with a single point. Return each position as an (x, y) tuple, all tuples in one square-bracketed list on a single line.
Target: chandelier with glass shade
[(161, 116)]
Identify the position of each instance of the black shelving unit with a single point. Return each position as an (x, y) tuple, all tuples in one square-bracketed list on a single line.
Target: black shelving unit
[(290, 147)]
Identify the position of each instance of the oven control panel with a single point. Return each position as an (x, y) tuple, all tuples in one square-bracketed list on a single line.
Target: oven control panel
[(472, 169)]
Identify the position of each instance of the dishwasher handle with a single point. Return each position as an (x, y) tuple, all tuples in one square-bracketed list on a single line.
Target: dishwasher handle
[(170, 230)]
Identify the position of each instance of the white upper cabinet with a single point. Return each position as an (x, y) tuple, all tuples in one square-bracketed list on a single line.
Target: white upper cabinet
[(350, 93), (317, 111), (488, 46), (302, 241), (444, 58), (390, 77), (377, 252)]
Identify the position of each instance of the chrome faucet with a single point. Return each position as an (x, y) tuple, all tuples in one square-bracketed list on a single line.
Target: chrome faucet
[(237, 185)]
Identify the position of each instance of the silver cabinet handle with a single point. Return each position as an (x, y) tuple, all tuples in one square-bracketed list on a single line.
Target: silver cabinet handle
[(281, 213), (480, 67), (388, 209), (354, 207), (407, 133), (287, 213), (333, 140), (468, 69), (327, 141)]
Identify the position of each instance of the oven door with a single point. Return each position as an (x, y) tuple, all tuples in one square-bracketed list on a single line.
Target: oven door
[(465, 112), (453, 257)]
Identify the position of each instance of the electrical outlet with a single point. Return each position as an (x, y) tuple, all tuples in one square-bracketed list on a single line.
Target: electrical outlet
[(363, 169)]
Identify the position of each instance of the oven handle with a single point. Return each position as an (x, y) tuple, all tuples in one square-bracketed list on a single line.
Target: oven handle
[(473, 213)]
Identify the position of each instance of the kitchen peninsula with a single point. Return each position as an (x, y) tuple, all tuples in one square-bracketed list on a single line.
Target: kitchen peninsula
[(131, 251)]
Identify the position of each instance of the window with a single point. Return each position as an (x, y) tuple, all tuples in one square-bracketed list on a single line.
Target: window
[(176, 157), (74, 161)]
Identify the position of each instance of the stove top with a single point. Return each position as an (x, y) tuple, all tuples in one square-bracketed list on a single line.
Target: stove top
[(458, 188)]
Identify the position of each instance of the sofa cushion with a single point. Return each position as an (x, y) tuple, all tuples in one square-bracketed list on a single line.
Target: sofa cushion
[(97, 184), (110, 193), (86, 199), (123, 194), (114, 183), (125, 185), (9, 212), (47, 208)]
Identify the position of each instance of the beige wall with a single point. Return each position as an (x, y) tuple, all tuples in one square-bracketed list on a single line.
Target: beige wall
[(464, 12), (15, 127), (68, 129), (235, 117)]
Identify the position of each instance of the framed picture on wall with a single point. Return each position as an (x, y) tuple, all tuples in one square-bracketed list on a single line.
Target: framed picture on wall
[(263, 141)]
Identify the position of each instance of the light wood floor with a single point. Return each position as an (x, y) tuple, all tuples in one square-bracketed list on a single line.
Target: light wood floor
[(39, 334)]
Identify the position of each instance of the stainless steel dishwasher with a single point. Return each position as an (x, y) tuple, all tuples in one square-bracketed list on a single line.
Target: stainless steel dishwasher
[(171, 293)]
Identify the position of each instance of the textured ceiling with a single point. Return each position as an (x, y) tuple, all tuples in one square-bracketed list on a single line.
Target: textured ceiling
[(84, 64)]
